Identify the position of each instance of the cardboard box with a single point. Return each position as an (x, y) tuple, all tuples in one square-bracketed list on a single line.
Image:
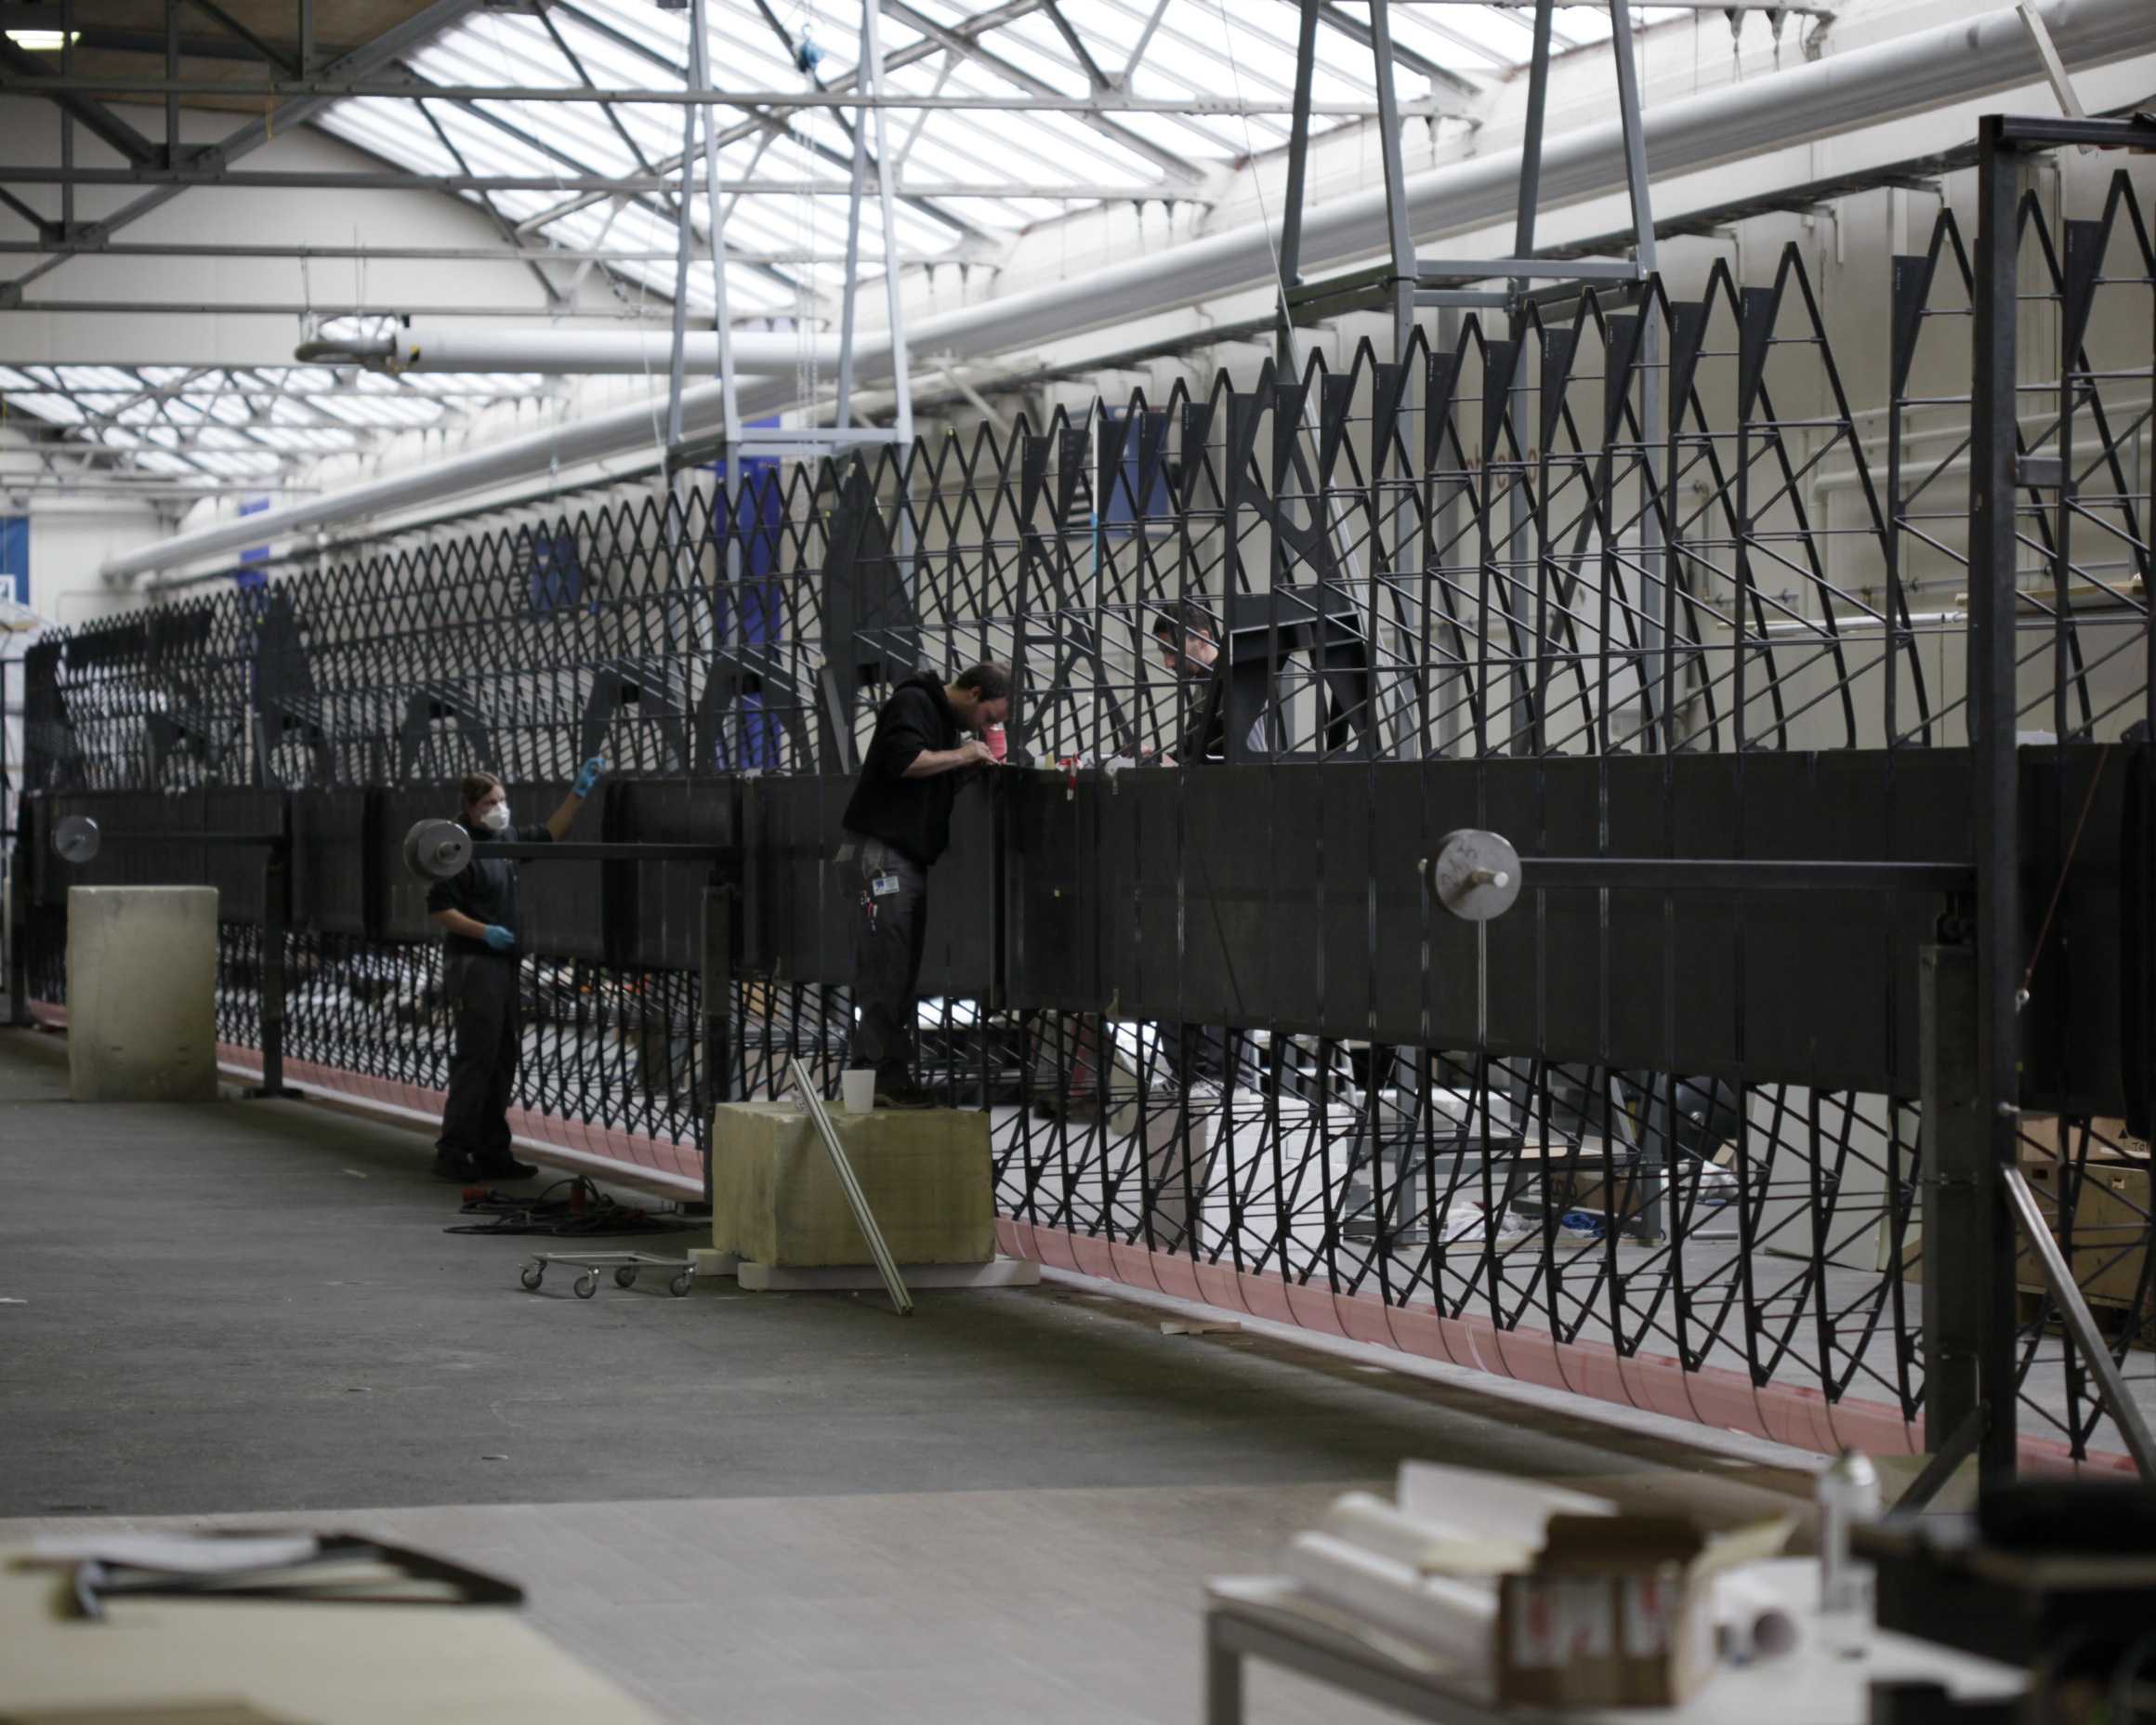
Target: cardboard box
[(2109, 1218), (1564, 1178), (1618, 1609), (2110, 1214), (776, 1200), (2107, 1141)]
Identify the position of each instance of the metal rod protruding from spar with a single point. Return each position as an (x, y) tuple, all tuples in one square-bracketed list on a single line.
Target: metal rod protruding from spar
[(886, 1264), (2096, 1356)]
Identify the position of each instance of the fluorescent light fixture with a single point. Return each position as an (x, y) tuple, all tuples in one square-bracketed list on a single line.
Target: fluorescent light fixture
[(42, 40)]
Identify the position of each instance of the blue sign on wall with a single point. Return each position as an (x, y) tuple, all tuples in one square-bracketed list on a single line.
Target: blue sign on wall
[(244, 576), (14, 558), (755, 609)]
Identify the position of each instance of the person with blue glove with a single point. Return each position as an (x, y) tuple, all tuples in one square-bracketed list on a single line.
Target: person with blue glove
[(476, 911)]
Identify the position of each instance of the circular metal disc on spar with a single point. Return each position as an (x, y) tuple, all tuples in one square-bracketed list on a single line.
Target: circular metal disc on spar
[(74, 839), (1476, 875), (436, 850)]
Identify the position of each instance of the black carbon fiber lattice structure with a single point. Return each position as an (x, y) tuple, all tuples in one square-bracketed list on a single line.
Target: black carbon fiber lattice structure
[(1653, 1139)]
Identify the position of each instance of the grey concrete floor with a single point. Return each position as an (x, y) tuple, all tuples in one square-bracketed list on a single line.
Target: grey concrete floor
[(778, 1505)]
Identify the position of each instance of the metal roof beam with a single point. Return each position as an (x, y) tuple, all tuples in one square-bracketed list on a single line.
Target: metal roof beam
[(424, 254), (1037, 97), (232, 27), (1099, 79), (428, 22), (1043, 95), (772, 121), (93, 117), (1357, 29), (666, 210), (502, 225), (604, 185), (614, 118)]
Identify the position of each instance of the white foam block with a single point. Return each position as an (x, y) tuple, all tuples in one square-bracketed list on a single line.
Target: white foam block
[(142, 981)]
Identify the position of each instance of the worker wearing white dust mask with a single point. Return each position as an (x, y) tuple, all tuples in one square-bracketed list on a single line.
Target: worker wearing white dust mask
[(477, 911), (928, 734)]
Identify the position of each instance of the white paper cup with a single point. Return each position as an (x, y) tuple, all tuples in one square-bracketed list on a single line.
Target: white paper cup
[(857, 1090)]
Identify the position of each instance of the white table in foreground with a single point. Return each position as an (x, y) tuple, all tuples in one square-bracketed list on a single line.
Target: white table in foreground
[(328, 1665), (1267, 1617)]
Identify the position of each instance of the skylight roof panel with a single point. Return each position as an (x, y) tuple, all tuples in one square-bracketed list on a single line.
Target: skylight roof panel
[(57, 408), (83, 378)]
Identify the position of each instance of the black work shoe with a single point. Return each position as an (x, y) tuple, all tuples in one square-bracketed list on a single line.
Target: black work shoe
[(904, 1096), (462, 1169), (506, 1167)]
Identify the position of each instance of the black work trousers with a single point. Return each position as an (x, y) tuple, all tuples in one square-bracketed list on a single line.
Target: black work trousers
[(887, 932), (475, 1122)]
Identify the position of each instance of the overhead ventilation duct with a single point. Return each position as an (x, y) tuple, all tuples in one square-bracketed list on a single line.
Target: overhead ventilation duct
[(628, 352), (1927, 68)]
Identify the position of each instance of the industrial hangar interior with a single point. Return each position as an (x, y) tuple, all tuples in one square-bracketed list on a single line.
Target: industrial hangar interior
[(1089, 860)]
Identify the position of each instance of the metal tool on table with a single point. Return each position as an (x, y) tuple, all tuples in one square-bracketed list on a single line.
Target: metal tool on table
[(626, 1267)]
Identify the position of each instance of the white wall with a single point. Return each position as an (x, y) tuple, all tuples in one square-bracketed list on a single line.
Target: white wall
[(67, 541)]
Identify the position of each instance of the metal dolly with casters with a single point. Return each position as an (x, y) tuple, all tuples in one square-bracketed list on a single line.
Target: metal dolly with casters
[(625, 1266)]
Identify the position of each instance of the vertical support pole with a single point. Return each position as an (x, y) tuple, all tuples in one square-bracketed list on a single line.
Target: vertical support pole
[(901, 379), (1517, 414), (1288, 362), (67, 124), (171, 77), (1992, 709), (1406, 546), (849, 291), (684, 243), (894, 306), (715, 991), (721, 318), (1531, 146), (1636, 180), (276, 916), (1396, 232), (1961, 1255), (306, 37), (1451, 687), (1654, 564), (1223, 1675), (1291, 240), (15, 808), (18, 936)]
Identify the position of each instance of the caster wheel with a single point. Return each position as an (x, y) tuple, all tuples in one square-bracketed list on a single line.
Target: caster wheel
[(682, 1284), (625, 1277), (587, 1284), (533, 1275)]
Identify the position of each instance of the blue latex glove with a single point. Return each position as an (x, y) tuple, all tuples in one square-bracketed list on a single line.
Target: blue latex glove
[(587, 775), (499, 938)]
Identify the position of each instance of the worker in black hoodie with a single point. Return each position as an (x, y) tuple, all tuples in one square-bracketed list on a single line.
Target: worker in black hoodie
[(899, 822)]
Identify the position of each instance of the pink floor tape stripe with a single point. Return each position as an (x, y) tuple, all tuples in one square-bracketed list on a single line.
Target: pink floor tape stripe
[(1711, 1396)]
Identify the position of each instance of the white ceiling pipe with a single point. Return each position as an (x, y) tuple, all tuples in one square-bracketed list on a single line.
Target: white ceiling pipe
[(571, 445), (628, 352), (1926, 69)]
